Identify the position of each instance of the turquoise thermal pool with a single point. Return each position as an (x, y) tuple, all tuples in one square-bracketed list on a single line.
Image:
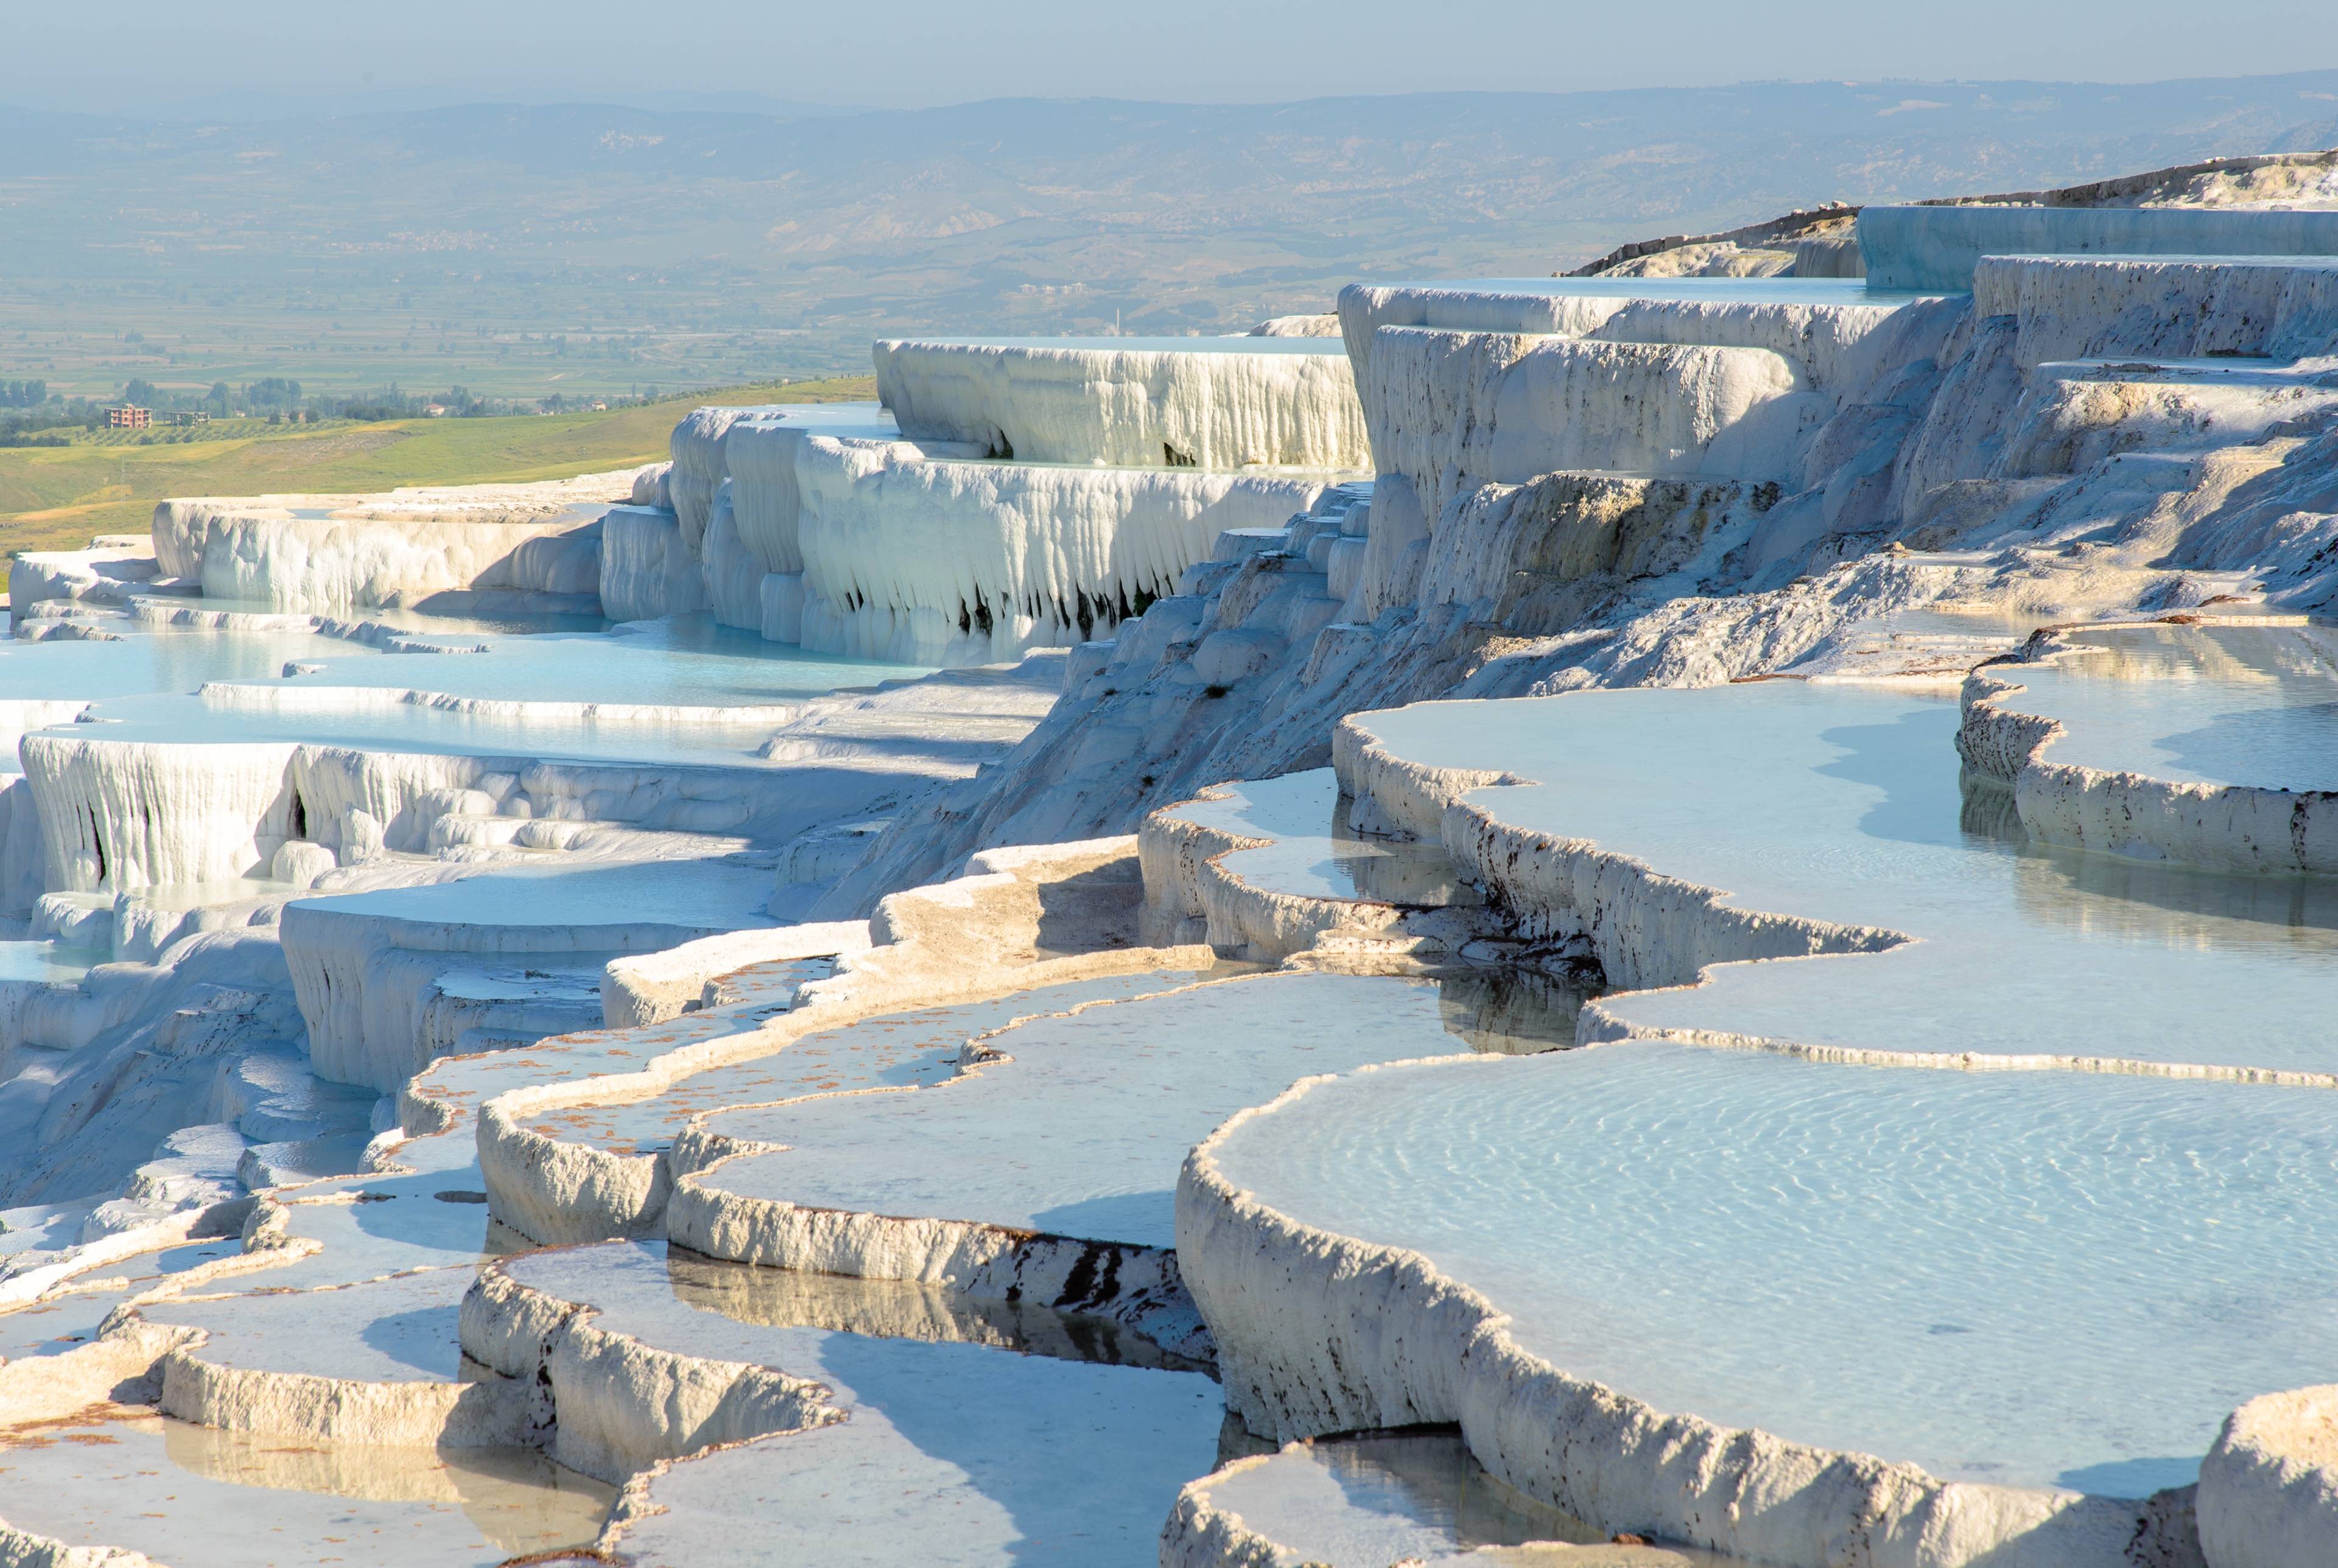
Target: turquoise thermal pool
[(682, 662), (952, 1431), (2253, 706), (898, 1050), (68, 669), (1081, 1132), (1964, 1271), (1842, 804), (1313, 855), (695, 896)]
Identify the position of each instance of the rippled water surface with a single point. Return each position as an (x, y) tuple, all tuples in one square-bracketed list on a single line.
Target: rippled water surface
[(2197, 704), (1842, 804), (2036, 1279)]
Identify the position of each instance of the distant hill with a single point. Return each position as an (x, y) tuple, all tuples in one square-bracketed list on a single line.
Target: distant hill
[(593, 246)]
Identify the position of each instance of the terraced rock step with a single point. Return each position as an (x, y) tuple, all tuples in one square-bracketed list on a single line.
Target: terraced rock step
[(115, 1480), (1847, 833), (1709, 1225), (1819, 321), (1266, 868), (1386, 1500), (2207, 704), (1069, 1127), (364, 964), (899, 1050), (971, 1440), (69, 1314), (2081, 412), (2206, 744), (1211, 403), (375, 1363)]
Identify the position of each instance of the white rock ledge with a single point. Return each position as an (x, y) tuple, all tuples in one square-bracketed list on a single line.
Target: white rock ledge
[(2226, 828), (2269, 1488), (1213, 404), (1318, 1333)]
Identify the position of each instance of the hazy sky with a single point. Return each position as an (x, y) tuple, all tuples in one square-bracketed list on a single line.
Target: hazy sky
[(158, 55)]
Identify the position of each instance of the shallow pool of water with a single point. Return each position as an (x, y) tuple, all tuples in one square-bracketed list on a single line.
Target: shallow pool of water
[(1842, 804), (67, 669), (684, 894), (2248, 705), (45, 961), (1313, 854), (1081, 1131), (966, 1437), (893, 1051), (184, 721), (1384, 1498), (684, 662), (2033, 1279), (197, 1497), (688, 666)]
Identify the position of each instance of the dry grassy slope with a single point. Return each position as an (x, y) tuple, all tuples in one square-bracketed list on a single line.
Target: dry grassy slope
[(57, 498)]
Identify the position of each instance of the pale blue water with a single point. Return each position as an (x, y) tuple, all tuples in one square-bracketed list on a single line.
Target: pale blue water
[(181, 721), (1383, 1498), (2032, 1279), (63, 668), (717, 896), (1082, 1133), (1842, 804), (685, 662), (2253, 706), (680, 662), (860, 419), (894, 1051), (1313, 854), (43, 961), (967, 1453)]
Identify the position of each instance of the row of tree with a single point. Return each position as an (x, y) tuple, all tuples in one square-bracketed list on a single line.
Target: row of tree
[(27, 407)]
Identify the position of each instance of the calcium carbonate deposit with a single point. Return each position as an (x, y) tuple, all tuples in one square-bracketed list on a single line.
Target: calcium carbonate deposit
[(1671, 917)]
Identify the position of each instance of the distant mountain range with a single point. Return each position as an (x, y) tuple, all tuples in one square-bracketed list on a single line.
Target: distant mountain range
[(795, 234)]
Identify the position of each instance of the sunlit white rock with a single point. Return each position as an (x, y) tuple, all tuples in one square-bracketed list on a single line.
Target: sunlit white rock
[(1221, 403)]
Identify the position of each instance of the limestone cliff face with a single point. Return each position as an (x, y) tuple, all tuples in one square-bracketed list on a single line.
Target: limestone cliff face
[(1934, 454)]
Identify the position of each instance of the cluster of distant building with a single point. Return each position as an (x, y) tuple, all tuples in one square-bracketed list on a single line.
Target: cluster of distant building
[(131, 417)]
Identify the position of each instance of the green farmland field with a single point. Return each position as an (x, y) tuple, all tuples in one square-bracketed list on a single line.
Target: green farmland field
[(57, 498)]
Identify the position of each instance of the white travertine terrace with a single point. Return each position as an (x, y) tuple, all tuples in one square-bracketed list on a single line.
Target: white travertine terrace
[(957, 562), (1820, 324), (2096, 760), (424, 1086), (2163, 307), (1214, 403), (335, 552), (1940, 247), (647, 568), (1451, 411), (1651, 909), (1379, 1501)]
